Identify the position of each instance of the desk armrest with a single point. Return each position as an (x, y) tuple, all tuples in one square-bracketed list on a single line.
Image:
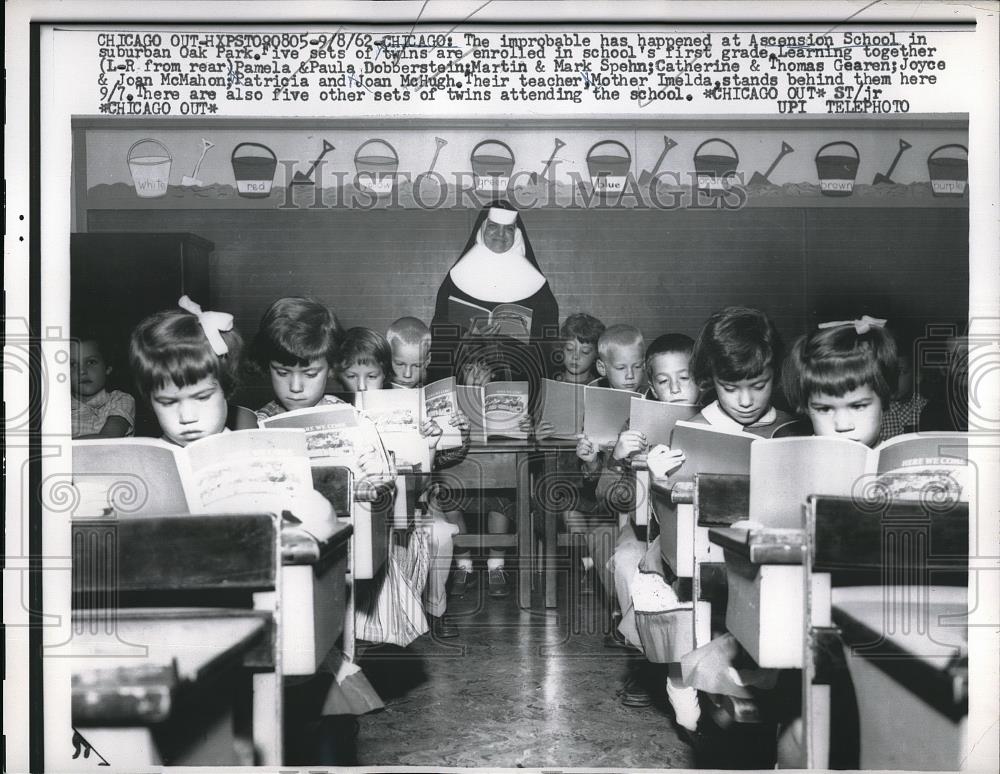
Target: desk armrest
[(682, 493), (761, 546), (301, 547)]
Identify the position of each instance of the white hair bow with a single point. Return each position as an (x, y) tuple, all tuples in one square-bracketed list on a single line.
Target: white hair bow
[(213, 323), (862, 325)]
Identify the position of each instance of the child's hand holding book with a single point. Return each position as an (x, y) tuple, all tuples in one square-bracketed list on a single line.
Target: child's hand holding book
[(587, 451), (662, 461), (630, 442), (432, 431), (541, 430)]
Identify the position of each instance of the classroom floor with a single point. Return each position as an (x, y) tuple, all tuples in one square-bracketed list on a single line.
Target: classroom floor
[(517, 688)]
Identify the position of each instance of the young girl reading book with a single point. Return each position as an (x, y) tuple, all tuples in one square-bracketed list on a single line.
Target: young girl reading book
[(185, 363), (841, 376)]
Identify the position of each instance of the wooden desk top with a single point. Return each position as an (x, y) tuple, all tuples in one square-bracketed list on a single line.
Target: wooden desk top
[(761, 546), (924, 622), (917, 635), (512, 445), (200, 641)]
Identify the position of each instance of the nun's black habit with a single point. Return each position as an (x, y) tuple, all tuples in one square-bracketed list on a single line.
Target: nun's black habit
[(447, 332)]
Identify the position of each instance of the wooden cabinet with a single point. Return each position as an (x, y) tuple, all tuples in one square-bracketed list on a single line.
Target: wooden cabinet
[(117, 279)]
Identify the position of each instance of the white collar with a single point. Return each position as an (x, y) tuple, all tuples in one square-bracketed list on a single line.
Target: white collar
[(497, 278), (719, 419)]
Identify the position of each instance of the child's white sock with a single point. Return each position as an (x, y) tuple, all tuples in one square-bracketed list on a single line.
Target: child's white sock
[(465, 563), (588, 562), (494, 564), (684, 700)]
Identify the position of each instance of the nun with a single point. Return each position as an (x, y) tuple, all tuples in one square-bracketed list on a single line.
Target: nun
[(496, 288)]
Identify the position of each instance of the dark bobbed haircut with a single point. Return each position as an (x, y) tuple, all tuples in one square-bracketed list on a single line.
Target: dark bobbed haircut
[(668, 342), (295, 331), (171, 346), (583, 327), (365, 346), (736, 343), (835, 361)]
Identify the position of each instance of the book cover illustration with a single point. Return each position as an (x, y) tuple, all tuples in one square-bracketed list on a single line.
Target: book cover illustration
[(334, 435), (511, 320), (391, 410), (441, 406), (505, 404)]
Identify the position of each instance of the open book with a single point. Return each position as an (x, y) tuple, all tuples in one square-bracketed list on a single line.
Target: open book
[(246, 471), (405, 409), (784, 471), (562, 407), (495, 409), (511, 320), (657, 418), (605, 412), (710, 450), (334, 435)]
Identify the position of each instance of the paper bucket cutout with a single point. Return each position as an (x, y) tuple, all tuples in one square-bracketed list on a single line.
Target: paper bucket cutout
[(254, 173), (949, 172), (150, 168), (715, 167), (608, 162), (492, 165), (376, 167), (838, 170)]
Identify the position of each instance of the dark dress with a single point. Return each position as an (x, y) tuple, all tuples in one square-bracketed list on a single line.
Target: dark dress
[(447, 333)]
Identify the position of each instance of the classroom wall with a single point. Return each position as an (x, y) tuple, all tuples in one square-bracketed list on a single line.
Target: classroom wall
[(660, 270)]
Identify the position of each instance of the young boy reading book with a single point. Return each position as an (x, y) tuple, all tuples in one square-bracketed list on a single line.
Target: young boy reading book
[(667, 367), (580, 333), (409, 341), (620, 362)]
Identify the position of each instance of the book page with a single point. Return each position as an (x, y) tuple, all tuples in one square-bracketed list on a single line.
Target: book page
[(249, 471), (511, 320), (708, 450), (470, 402), (657, 419), (931, 467), (785, 471), (127, 476), (392, 410), (606, 411), (467, 314), (332, 436), (562, 407), (441, 406), (505, 404)]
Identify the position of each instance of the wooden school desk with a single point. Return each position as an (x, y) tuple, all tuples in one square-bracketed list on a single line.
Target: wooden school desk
[(500, 464), (177, 704), (890, 587), (166, 650)]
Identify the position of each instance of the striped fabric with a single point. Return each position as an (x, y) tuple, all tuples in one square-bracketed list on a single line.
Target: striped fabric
[(393, 612)]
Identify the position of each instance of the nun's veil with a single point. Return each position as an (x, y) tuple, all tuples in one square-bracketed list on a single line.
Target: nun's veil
[(484, 213)]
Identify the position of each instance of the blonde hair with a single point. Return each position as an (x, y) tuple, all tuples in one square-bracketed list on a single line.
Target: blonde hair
[(618, 336), (408, 330)]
